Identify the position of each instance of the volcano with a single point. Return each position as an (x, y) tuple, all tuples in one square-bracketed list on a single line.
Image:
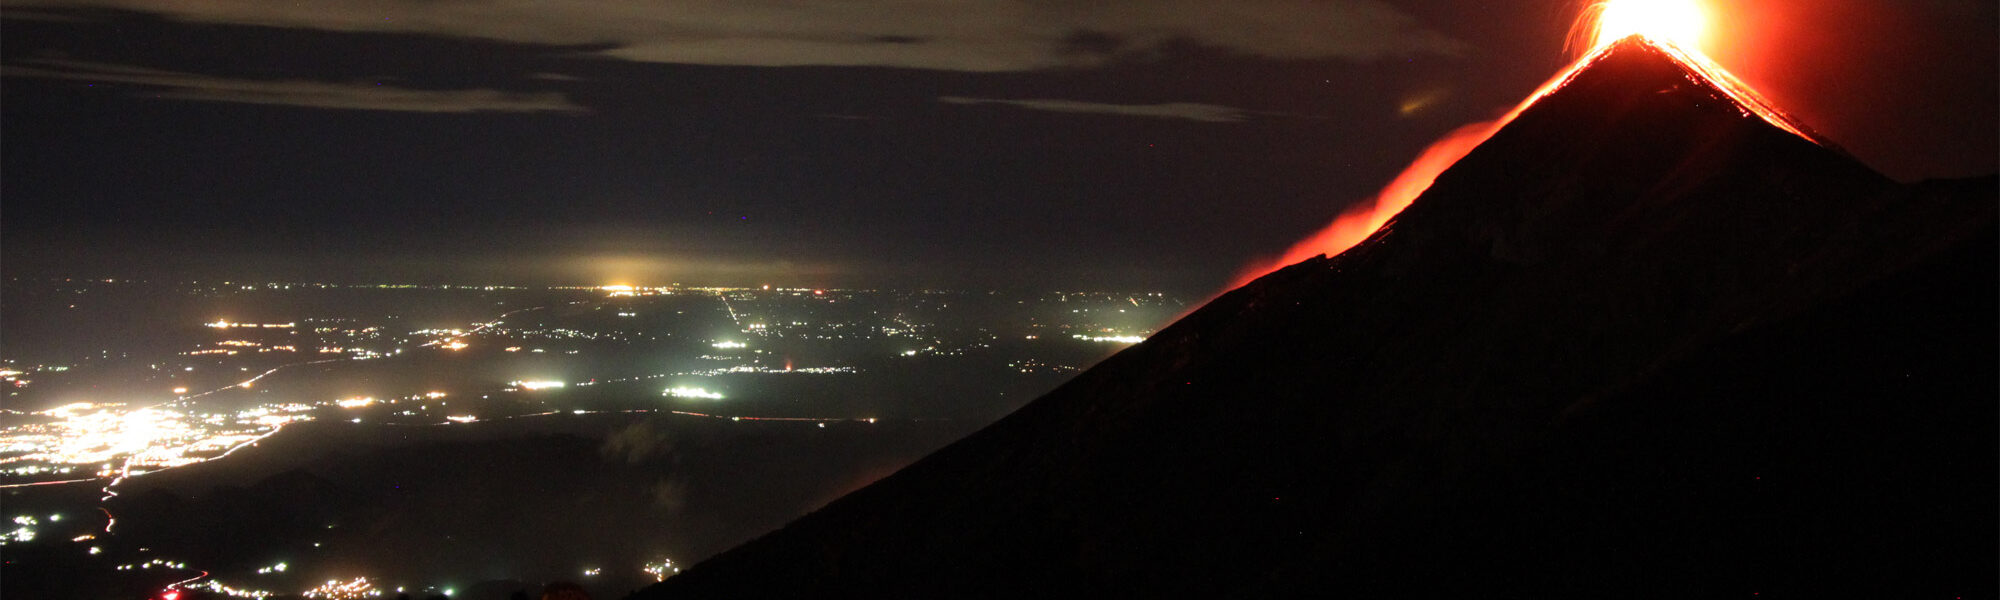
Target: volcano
[(1645, 341)]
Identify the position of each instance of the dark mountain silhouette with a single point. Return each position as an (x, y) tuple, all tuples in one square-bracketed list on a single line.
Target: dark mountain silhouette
[(1641, 343)]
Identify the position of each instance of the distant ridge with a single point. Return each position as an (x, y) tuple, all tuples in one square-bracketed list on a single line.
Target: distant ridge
[(1640, 343)]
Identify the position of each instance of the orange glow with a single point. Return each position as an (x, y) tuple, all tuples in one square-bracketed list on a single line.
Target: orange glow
[(1678, 22), (1672, 26), (1675, 27), (1361, 220), (1745, 96)]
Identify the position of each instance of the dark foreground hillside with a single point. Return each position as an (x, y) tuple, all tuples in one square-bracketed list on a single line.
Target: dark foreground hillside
[(1638, 344)]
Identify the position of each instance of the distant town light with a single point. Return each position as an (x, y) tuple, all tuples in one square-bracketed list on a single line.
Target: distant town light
[(692, 392)]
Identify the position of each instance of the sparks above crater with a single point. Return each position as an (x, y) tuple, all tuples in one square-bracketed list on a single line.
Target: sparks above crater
[(1677, 22)]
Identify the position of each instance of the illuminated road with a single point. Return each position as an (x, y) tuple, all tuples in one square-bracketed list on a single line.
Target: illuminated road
[(479, 327), (247, 383)]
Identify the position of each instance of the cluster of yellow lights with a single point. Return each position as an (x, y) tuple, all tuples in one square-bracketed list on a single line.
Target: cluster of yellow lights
[(86, 433), (157, 562), (334, 589), (692, 392), (662, 569), (119, 440), (218, 587), (24, 533), (1115, 339), (226, 324)]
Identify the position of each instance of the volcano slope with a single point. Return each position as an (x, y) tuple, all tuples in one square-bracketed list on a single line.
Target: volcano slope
[(1637, 343)]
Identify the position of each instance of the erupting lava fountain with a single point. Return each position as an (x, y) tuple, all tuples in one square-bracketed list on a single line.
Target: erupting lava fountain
[(1673, 26)]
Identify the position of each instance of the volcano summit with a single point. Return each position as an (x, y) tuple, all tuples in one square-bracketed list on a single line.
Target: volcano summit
[(1642, 342)]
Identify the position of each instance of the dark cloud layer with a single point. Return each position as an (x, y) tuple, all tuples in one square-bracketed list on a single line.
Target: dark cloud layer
[(356, 95), (993, 35)]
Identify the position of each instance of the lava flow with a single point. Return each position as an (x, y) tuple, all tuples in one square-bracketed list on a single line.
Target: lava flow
[(1673, 26)]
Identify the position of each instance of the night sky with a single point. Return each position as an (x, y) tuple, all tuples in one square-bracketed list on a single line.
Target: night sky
[(1156, 144)]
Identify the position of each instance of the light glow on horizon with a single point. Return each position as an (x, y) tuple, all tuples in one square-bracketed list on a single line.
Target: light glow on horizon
[(692, 392), (1116, 339)]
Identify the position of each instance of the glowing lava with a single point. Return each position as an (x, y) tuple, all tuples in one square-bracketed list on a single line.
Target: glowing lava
[(1362, 219), (1672, 26)]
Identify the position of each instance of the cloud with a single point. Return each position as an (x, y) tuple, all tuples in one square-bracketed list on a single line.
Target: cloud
[(296, 92), (1209, 113), (960, 35)]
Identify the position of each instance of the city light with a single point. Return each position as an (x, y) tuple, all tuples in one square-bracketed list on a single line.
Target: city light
[(692, 392), (661, 569), (1116, 339), (218, 587), (224, 408), (333, 589), (115, 439), (226, 324)]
